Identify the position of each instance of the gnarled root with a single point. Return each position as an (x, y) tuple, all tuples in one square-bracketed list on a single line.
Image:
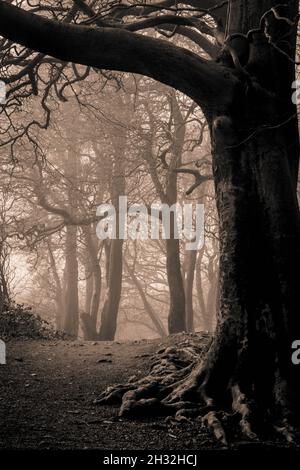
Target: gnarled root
[(186, 382), (242, 406), (171, 381)]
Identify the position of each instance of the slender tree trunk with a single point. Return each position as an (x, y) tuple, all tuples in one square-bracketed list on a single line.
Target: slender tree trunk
[(88, 285), (90, 317), (110, 309), (176, 319), (60, 306), (189, 273), (71, 320), (4, 293), (177, 310)]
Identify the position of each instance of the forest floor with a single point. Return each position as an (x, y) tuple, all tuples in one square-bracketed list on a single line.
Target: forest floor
[(47, 394)]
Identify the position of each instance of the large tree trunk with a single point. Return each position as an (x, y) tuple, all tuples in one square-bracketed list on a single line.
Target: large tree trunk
[(259, 259)]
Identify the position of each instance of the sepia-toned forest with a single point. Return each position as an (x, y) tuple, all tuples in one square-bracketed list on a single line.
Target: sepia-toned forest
[(162, 104), (108, 136)]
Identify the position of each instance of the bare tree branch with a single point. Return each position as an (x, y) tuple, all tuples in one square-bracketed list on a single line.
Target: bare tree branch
[(115, 49)]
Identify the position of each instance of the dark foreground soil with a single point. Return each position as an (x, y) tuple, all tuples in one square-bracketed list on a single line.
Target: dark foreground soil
[(47, 390)]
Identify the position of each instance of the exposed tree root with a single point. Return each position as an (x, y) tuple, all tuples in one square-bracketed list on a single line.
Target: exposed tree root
[(286, 430), (180, 386), (214, 423), (243, 408), (166, 388)]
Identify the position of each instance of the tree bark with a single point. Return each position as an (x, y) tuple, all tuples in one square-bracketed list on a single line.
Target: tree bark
[(206, 319), (176, 318), (88, 286), (177, 310), (93, 287), (109, 314), (71, 320), (60, 304), (118, 49), (110, 309), (189, 275)]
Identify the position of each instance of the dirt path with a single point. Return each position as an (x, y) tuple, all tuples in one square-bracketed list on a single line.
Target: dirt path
[(47, 391)]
